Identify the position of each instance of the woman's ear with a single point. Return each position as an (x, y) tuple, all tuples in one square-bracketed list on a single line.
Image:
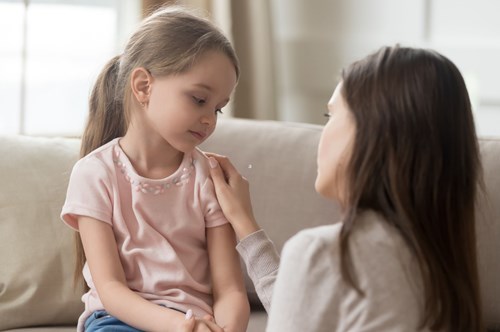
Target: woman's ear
[(140, 82)]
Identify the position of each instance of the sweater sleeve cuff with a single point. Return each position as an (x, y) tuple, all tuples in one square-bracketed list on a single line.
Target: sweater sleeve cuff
[(259, 254)]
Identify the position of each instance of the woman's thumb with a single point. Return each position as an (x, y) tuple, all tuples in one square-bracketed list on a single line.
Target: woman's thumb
[(213, 162), (215, 170)]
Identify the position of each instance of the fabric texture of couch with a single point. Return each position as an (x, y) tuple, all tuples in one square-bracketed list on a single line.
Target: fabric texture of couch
[(279, 160)]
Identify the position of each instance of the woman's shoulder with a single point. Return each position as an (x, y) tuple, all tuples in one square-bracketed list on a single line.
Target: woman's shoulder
[(320, 235), (372, 231), (314, 244), (383, 258), (372, 240)]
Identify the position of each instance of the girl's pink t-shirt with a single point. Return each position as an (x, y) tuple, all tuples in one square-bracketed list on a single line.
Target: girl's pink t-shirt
[(159, 225)]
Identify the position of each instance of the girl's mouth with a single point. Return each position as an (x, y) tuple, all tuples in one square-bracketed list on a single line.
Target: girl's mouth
[(198, 135)]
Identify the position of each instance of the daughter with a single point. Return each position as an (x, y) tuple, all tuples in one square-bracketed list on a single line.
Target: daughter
[(156, 243)]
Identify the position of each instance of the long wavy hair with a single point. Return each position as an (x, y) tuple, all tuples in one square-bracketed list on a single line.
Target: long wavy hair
[(415, 161), (167, 42)]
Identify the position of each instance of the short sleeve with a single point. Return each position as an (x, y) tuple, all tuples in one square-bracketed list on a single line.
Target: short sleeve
[(89, 193), (211, 209)]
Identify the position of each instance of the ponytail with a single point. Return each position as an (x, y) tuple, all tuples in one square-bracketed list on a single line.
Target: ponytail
[(106, 121)]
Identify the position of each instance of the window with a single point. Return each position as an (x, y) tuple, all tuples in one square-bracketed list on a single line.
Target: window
[(51, 54), (313, 44)]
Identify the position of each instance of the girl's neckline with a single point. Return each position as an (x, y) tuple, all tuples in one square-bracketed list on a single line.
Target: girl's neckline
[(152, 186)]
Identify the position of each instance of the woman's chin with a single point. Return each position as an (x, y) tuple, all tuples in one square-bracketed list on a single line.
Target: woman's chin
[(327, 190), (322, 188)]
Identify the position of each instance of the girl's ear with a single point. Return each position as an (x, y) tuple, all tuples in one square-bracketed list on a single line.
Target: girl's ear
[(140, 81)]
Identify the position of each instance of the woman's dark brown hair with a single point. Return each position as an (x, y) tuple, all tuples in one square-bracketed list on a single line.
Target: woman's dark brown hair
[(416, 162)]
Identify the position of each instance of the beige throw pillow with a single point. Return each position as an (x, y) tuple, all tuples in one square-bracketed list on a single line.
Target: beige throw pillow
[(36, 248)]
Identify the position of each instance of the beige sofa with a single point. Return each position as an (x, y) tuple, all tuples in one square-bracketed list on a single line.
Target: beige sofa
[(279, 159)]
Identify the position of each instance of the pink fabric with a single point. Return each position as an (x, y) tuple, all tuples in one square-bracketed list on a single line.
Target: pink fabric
[(160, 231)]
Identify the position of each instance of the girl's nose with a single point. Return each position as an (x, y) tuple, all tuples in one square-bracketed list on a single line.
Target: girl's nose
[(209, 118)]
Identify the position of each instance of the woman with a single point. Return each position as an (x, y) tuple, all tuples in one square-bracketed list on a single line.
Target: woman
[(400, 155)]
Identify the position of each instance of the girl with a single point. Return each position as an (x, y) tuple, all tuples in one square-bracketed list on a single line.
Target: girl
[(156, 243), (400, 155)]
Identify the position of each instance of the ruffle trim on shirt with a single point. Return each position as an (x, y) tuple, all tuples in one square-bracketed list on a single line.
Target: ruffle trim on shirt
[(154, 187)]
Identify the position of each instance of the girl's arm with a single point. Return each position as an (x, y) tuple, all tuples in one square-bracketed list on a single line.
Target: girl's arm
[(231, 308), (109, 279)]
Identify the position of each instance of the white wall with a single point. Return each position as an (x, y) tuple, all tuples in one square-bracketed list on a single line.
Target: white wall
[(315, 39)]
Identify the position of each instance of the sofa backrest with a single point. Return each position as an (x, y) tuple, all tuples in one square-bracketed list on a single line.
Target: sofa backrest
[(279, 159)]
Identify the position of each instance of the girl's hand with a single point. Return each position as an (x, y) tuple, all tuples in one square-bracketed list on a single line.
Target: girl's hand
[(188, 325), (206, 324), (233, 194)]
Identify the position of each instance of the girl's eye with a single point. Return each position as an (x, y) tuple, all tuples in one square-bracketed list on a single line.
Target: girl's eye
[(199, 101), (219, 111)]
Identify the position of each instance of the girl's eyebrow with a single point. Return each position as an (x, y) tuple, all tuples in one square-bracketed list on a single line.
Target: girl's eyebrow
[(203, 86), (209, 88)]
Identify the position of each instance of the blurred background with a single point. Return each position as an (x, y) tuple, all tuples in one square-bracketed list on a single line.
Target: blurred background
[(291, 52)]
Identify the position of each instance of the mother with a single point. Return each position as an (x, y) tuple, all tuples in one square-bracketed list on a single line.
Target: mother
[(400, 155)]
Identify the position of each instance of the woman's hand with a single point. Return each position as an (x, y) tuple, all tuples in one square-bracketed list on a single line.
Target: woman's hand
[(233, 194)]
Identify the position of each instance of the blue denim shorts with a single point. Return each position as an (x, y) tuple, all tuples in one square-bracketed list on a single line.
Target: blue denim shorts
[(101, 321)]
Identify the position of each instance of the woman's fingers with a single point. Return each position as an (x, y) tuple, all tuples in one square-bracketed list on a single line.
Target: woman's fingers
[(233, 194), (225, 164), (217, 173)]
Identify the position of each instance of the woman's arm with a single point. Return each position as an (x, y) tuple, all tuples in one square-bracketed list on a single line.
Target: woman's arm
[(262, 261), (231, 308), (107, 274), (257, 250)]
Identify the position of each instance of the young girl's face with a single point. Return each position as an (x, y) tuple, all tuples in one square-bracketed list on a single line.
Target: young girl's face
[(183, 108), (334, 148)]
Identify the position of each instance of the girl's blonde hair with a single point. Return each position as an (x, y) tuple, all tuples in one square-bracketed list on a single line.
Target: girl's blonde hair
[(168, 42)]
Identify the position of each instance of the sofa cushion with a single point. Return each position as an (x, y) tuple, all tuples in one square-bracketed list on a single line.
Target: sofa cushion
[(36, 254)]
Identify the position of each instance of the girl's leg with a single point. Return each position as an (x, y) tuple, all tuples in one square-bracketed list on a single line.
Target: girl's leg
[(101, 321)]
